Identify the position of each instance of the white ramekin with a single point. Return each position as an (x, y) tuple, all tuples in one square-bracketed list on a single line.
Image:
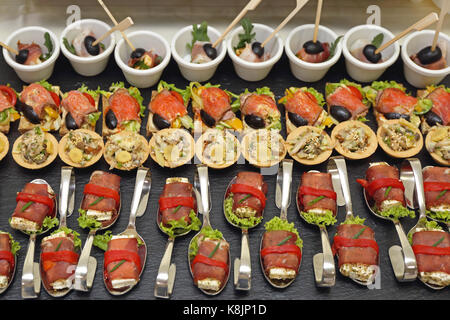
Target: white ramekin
[(307, 71), (362, 71), (32, 73), (194, 71), (149, 41), (255, 71), (416, 75), (93, 65)]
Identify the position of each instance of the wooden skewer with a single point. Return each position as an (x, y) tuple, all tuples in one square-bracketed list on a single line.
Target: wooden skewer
[(300, 4), (251, 5), (12, 50), (316, 25), (123, 25), (115, 23), (419, 25), (444, 10)]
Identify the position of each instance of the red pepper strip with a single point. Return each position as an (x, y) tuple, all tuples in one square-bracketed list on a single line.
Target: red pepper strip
[(340, 242), (89, 97), (12, 97), (172, 202), (100, 191), (435, 251), (436, 186), (8, 256), (373, 186), (199, 258), (60, 256), (119, 255), (243, 188), (304, 190), (285, 248), (55, 98), (22, 196)]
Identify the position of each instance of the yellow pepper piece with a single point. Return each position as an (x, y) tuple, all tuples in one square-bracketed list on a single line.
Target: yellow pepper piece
[(176, 123), (123, 156), (14, 116), (235, 123), (51, 112), (76, 155)]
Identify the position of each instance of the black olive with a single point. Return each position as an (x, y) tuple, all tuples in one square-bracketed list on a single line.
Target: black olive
[(395, 115), (340, 113), (210, 51), (426, 56), (28, 112), (110, 119), (297, 120), (22, 56), (254, 121), (160, 122), (207, 119), (433, 119), (369, 53), (257, 49), (92, 50), (70, 122), (137, 53), (312, 47)]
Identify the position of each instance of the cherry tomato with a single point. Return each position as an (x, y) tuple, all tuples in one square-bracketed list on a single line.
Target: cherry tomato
[(12, 97), (89, 97)]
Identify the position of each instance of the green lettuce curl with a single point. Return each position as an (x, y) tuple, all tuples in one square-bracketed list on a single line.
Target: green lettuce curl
[(87, 222), (324, 219), (443, 216), (428, 226), (276, 224), (67, 231), (15, 246), (207, 232), (181, 226), (397, 212), (241, 222), (354, 220)]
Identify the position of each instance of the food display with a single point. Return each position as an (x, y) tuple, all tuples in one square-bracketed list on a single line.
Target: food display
[(126, 150), (172, 147), (32, 54), (436, 183), (309, 145), (80, 148), (437, 143), (8, 251), (364, 49), (436, 107), (200, 47), (263, 148), (354, 140), (431, 59), (400, 138), (82, 44), (248, 49), (217, 148)]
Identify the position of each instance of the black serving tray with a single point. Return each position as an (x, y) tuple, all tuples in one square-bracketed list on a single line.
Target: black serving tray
[(13, 178)]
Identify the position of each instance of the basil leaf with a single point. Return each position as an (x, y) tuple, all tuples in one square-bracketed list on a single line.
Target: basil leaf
[(378, 40)]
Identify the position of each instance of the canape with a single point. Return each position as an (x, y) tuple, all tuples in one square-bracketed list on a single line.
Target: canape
[(172, 147), (263, 148), (354, 140), (437, 143), (8, 113), (217, 149), (309, 145), (435, 109), (436, 184), (399, 138), (126, 150), (80, 148)]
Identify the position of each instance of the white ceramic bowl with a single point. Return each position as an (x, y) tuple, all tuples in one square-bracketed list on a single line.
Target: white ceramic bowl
[(416, 75), (255, 71), (362, 71), (149, 41), (307, 71), (194, 71), (93, 65), (32, 73)]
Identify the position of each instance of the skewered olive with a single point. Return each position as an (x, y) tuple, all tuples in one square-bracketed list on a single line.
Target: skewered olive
[(70, 122), (297, 120), (92, 50), (369, 53), (160, 122), (340, 113), (22, 56), (312, 47), (427, 56), (207, 119), (433, 119), (210, 51), (254, 121), (137, 53), (28, 112), (395, 115), (110, 119), (257, 49)]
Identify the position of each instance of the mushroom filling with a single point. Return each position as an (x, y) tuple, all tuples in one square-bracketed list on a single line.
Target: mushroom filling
[(399, 137), (171, 147), (125, 151), (81, 147), (34, 147), (219, 147), (353, 139), (440, 143), (309, 145), (265, 147)]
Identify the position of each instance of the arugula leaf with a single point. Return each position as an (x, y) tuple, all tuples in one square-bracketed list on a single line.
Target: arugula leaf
[(49, 44), (69, 46), (140, 64), (378, 40), (199, 33), (247, 36), (333, 47)]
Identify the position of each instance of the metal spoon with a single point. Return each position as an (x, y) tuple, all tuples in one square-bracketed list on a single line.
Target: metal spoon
[(166, 272), (411, 176), (31, 278), (402, 258), (337, 167), (85, 271), (138, 206), (66, 206), (201, 182), (11, 278), (282, 201)]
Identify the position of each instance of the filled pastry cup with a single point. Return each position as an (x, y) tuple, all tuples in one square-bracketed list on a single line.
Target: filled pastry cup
[(263, 148), (172, 147), (218, 149), (126, 150), (438, 136), (80, 154), (4, 145), (399, 138), (297, 139)]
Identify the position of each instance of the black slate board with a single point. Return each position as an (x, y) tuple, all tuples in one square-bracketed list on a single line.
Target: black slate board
[(14, 177)]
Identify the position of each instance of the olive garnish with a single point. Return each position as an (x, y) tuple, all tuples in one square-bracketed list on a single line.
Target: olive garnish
[(428, 56), (207, 119), (92, 50), (160, 122), (297, 120), (340, 113), (369, 53), (257, 49), (70, 122), (22, 56), (254, 121), (137, 53), (210, 51), (110, 119), (28, 112), (433, 119), (395, 115), (312, 47)]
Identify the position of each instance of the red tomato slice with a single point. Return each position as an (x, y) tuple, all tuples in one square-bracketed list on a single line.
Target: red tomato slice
[(356, 92), (10, 93), (178, 96), (55, 98), (89, 97)]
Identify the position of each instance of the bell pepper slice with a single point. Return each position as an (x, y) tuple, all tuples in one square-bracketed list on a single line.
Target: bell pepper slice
[(89, 97), (372, 187), (435, 251), (50, 203), (100, 191), (172, 202), (8, 256), (119, 255), (286, 248), (59, 256), (199, 258), (304, 190), (255, 192), (55, 98), (341, 242)]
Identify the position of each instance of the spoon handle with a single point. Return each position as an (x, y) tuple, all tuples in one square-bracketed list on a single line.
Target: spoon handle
[(67, 178), (141, 175), (204, 192), (338, 169), (81, 272), (286, 187), (418, 184), (324, 268), (30, 275), (166, 273), (407, 269), (242, 266)]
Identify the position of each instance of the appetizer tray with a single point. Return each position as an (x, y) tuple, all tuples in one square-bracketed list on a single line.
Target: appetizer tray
[(13, 178)]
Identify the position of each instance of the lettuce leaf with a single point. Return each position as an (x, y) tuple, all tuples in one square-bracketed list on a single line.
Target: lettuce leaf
[(429, 226), (181, 226), (101, 240), (325, 219), (67, 231), (354, 220), (241, 222), (84, 89), (278, 224), (292, 90), (15, 246), (185, 94), (423, 106), (330, 87), (381, 85), (208, 232), (443, 216), (85, 222), (46, 85), (93, 117), (397, 212)]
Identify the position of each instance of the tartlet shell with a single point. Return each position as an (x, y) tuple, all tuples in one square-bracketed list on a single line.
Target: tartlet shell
[(199, 151), (18, 158), (66, 159), (110, 161), (400, 154), (5, 150), (245, 148), (435, 157), (321, 158), (152, 144)]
